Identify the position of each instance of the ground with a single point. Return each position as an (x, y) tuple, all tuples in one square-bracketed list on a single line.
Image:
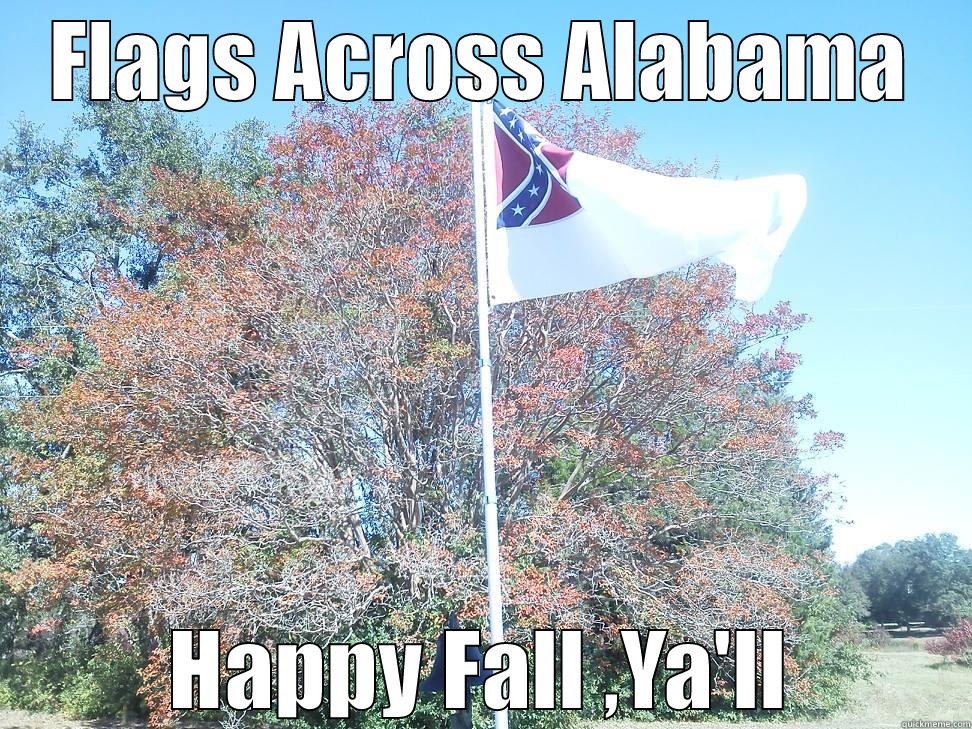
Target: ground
[(908, 684)]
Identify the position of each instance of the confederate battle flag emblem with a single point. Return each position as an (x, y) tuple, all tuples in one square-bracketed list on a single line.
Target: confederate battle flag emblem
[(531, 174)]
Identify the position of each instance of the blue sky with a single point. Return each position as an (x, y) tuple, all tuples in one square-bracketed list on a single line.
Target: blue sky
[(881, 260)]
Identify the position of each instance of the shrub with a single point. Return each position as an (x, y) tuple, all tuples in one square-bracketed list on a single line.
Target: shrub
[(79, 681), (955, 644), (105, 686), (27, 685), (879, 637)]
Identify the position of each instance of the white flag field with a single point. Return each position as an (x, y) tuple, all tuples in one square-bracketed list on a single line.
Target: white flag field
[(561, 221)]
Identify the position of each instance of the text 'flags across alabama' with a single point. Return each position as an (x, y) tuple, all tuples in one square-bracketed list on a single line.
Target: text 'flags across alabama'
[(562, 221)]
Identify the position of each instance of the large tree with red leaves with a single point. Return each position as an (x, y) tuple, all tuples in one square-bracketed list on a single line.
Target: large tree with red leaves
[(280, 437)]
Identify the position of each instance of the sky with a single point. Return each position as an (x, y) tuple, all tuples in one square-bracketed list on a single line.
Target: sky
[(881, 260)]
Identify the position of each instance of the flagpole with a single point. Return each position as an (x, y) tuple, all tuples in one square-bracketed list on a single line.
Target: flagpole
[(491, 519)]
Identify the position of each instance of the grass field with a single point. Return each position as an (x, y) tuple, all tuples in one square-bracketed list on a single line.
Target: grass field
[(908, 684)]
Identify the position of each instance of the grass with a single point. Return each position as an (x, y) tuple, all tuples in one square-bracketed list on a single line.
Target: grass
[(913, 684), (909, 683)]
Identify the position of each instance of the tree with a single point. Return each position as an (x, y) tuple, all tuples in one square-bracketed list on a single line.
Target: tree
[(926, 579), (279, 438), (63, 237)]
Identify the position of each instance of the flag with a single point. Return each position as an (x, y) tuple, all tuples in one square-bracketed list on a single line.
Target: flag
[(561, 220)]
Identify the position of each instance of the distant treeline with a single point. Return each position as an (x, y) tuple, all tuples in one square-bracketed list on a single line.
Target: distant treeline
[(928, 580)]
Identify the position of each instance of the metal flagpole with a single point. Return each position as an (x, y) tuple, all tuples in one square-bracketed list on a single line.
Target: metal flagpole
[(486, 396)]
